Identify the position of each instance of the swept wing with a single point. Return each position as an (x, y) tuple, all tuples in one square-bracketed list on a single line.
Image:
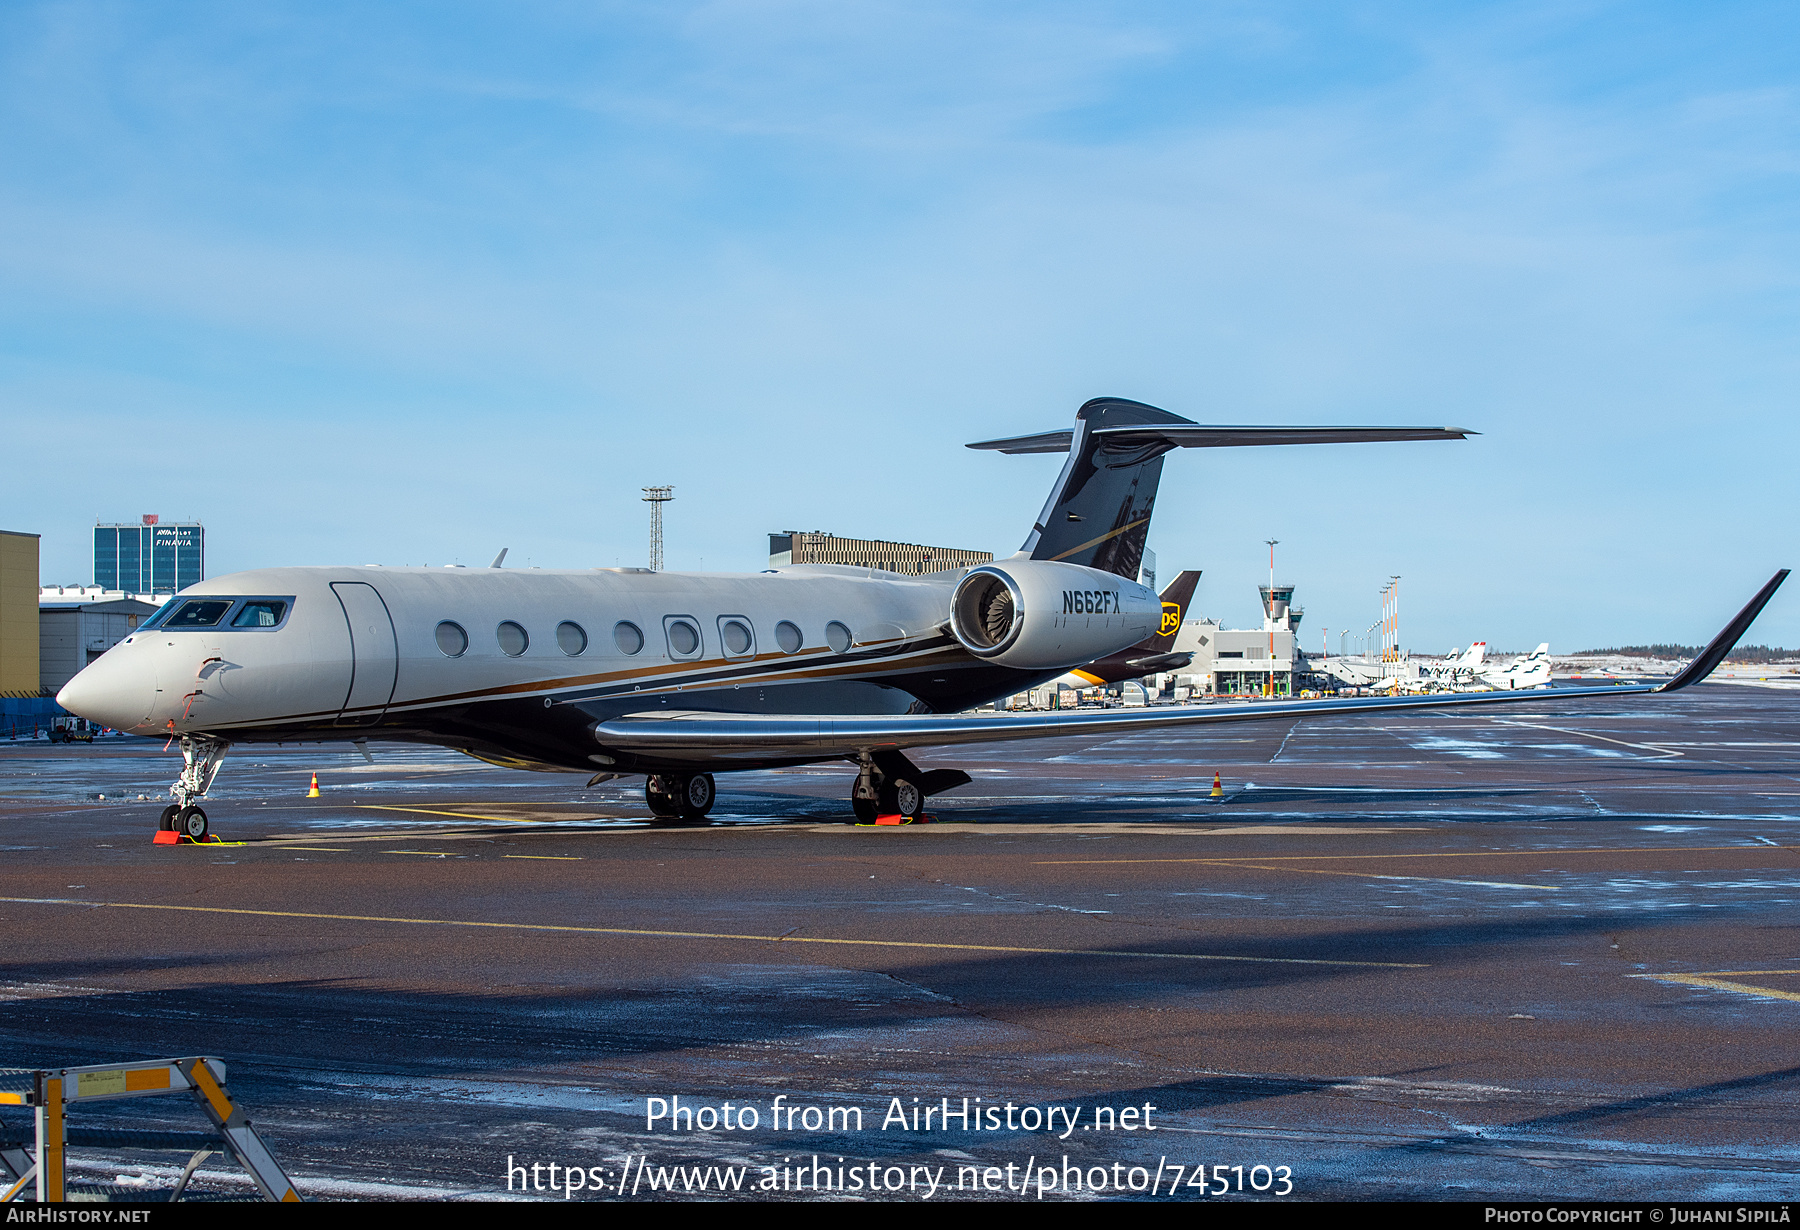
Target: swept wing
[(725, 737)]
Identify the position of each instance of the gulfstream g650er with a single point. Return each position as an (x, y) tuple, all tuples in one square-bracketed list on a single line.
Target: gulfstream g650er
[(678, 676)]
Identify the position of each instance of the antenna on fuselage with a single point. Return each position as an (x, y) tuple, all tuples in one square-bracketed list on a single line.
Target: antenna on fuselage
[(499, 557), (656, 497)]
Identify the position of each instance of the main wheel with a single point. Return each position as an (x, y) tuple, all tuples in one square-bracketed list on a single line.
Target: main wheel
[(659, 793), (904, 797), (166, 822), (864, 810), (697, 795), (190, 821)]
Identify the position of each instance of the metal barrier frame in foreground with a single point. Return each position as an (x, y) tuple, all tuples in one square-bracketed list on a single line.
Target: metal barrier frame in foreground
[(51, 1091)]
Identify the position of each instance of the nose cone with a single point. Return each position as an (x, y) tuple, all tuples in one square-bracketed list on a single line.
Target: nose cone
[(109, 693)]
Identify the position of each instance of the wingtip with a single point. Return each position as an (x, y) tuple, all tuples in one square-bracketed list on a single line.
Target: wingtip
[(1722, 644)]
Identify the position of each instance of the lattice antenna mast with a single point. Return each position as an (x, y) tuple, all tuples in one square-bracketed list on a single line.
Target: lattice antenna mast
[(656, 497)]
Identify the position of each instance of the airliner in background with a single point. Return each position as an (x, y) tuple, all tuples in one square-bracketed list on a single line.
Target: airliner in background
[(679, 676)]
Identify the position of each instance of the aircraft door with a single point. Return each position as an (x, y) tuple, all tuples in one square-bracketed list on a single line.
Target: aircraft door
[(374, 651)]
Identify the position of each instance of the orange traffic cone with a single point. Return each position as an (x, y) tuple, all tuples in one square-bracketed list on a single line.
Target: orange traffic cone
[(1218, 787), (313, 792)]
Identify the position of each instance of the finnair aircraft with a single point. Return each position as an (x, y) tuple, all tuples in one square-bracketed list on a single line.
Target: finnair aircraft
[(1530, 671), (679, 676)]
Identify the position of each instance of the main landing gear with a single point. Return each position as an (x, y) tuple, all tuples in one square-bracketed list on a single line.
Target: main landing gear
[(891, 785), (201, 759), (680, 796)]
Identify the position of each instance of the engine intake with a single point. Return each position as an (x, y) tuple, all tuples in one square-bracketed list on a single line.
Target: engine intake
[(986, 613)]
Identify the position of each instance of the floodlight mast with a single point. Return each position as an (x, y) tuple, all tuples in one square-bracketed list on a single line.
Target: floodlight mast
[(656, 497)]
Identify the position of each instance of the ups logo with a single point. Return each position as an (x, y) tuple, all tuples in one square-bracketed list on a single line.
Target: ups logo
[(1171, 619)]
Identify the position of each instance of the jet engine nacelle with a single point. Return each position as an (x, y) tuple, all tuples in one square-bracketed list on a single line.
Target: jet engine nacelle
[(1039, 615)]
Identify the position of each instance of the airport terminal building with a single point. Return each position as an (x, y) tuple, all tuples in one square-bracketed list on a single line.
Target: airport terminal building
[(910, 559), (1249, 661)]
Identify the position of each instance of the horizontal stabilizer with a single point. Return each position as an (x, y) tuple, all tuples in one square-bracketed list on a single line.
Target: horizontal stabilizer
[(1204, 436)]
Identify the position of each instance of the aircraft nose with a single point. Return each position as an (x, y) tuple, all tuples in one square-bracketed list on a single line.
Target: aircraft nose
[(106, 694)]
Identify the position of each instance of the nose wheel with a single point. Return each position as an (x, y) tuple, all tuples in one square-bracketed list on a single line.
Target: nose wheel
[(190, 822)]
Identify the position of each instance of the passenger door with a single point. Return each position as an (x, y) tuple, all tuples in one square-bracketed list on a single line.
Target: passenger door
[(374, 652)]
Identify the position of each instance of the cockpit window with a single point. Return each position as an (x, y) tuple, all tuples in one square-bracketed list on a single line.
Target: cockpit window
[(199, 613), (259, 613), (242, 613)]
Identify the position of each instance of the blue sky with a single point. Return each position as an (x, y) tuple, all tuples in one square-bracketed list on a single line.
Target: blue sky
[(410, 283)]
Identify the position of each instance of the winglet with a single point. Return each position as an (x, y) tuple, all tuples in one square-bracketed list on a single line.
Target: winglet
[(1727, 640)]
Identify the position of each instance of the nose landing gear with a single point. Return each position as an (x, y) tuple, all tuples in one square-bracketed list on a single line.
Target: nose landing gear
[(201, 759)]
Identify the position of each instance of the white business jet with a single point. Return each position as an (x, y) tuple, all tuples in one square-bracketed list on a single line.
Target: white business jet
[(679, 676)]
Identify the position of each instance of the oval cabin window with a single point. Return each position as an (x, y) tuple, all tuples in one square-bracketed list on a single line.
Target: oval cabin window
[(512, 638), (571, 639), (684, 638), (452, 641), (736, 636)]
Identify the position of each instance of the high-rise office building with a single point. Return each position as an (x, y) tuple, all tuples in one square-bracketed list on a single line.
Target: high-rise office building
[(151, 557)]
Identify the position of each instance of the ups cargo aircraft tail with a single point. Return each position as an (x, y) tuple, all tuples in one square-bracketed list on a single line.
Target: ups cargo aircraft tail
[(678, 676)]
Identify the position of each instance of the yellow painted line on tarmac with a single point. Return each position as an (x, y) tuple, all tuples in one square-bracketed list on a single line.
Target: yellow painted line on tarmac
[(463, 815), (1747, 973), (710, 935), (1307, 858), (326, 849), (1372, 875), (431, 811), (1720, 984), (564, 858)]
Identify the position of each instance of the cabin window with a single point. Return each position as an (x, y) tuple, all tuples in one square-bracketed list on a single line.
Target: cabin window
[(200, 613), (628, 637), (837, 636), (452, 641), (571, 638), (512, 638), (684, 637), (735, 635), (788, 636)]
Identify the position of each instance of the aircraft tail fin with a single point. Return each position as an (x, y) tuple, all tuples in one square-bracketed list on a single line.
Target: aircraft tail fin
[(1175, 600), (1098, 514)]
